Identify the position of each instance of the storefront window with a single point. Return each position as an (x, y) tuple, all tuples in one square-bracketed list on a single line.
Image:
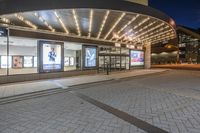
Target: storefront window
[(72, 56), (22, 52), (4, 62)]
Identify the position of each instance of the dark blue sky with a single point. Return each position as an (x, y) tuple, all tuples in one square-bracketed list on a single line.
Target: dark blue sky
[(184, 12)]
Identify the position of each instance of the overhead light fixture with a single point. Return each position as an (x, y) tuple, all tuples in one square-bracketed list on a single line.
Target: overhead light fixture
[(44, 21), (131, 21), (117, 45), (76, 21), (141, 23), (103, 23), (21, 18), (116, 36), (91, 22), (114, 25), (61, 22), (5, 20), (128, 32)]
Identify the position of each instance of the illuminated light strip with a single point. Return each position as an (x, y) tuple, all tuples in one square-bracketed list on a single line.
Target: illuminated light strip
[(140, 31), (116, 23), (163, 38), (159, 30), (103, 23), (158, 26), (147, 26), (131, 21), (158, 34), (135, 27), (141, 23), (91, 21), (44, 21), (61, 22), (76, 22), (125, 33), (5, 20), (21, 18)]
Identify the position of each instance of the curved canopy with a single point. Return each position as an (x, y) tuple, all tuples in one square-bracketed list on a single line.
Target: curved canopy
[(121, 21)]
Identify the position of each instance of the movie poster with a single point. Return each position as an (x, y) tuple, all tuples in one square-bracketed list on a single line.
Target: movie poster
[(17, 61), (28, 61), (66, 61), (4, 62), (137, 58), (90, 56), (51, 57)]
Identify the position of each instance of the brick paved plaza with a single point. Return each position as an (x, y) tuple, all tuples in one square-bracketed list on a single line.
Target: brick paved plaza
[(169, 101)]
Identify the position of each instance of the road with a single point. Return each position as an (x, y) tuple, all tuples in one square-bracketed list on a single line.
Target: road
[(166, 102)]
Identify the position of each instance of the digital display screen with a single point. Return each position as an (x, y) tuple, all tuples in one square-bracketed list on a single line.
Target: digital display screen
[(66, 61), (90, 57), (137, 58), (4, 62), (51, 57), (35, 61), (17, 62), (28, 61)]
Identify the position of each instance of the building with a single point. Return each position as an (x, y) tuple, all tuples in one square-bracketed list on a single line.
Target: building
[(189, 45), (73, 37), (186, 48), (143, 2)]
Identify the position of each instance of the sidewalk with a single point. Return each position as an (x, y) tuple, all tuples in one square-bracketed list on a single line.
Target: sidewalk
[(14, 89)]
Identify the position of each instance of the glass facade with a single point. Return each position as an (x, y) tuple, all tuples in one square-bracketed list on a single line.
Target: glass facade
[(22, 52), (20, 56), (189, 48), (27, 56), (113, 58), (72, 56)]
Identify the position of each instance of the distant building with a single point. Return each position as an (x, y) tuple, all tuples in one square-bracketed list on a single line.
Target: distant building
[(187, 43)]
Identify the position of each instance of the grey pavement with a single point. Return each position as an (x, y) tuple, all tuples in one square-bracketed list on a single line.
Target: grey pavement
[(169, 101), (14, 89)]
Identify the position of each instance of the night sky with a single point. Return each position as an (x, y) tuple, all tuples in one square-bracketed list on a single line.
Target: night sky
[(184, 12)]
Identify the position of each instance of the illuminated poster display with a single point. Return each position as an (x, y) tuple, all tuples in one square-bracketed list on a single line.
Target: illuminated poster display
[(137, 58), (4, 62), (71, 61), (28, 61), (17, 61), (66, 61), (35, 61), (90, 56), (51, 56)]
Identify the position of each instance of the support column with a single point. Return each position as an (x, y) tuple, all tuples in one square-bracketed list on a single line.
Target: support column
[(147, 61)]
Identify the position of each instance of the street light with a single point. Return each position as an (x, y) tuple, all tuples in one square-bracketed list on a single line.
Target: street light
[(170, 46)]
